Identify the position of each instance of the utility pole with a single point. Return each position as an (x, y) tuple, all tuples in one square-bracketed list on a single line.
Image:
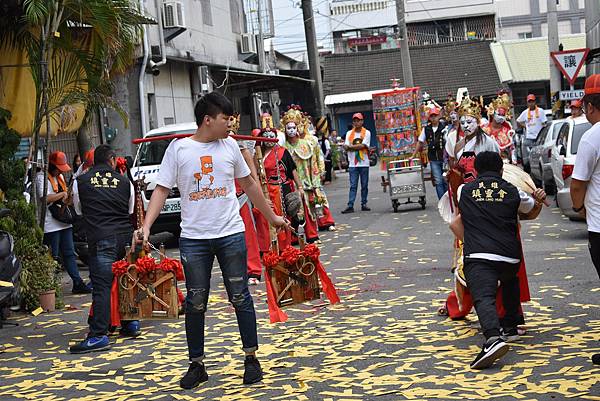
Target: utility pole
[(553, 44), (313, 55), (261, 40), (404, 52)]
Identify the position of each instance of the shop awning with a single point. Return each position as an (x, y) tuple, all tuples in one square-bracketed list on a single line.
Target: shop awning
[(352, 97), (528, 60)]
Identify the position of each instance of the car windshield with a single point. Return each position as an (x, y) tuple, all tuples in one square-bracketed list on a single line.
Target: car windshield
[(578, 132), (152, 153)]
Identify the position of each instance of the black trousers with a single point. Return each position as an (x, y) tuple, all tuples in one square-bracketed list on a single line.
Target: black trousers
[(328, 167), (482, 279), (594, 245)]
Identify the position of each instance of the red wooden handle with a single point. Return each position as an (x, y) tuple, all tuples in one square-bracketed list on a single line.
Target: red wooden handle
[(177, 136)]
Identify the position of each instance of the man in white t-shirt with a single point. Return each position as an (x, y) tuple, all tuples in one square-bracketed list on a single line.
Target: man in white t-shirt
[(585, 183), (204, 167), (532, 119), (357, 144)]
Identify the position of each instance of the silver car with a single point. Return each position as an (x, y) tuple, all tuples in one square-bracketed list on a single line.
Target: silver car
[(541, 153), (564, 153)]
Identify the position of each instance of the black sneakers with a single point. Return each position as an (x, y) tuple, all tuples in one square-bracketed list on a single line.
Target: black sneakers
[(252, 371), (348, 210), (596, 359), (364, 208), (195, 375), (82, 288), (509, 335), (493, 349)]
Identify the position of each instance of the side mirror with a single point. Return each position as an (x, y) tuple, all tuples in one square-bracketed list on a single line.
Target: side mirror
[(129, 161), (562, 151)]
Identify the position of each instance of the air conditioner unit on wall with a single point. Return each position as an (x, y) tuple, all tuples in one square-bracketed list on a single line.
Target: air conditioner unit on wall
[(173, 15), (248, 43)]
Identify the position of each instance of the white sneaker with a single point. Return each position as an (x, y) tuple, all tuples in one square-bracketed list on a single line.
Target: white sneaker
[(253, 281), (332, 228)]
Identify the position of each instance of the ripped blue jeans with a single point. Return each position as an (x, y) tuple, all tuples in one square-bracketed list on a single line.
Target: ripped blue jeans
[(197, 257)]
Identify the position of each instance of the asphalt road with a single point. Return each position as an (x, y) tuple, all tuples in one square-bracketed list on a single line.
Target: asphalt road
[(385, 340)]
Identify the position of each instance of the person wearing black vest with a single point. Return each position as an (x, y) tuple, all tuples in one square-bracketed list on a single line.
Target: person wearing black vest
[(106, 199), (434, 136), (488, 224)]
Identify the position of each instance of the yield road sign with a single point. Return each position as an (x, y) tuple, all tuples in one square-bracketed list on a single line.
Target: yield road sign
[(572, 95), (570, 62)]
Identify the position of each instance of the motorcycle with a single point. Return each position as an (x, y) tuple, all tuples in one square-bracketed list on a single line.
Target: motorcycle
[(10, 269)]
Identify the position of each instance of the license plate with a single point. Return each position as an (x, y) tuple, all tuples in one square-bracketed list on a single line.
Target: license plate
[(171, 207)]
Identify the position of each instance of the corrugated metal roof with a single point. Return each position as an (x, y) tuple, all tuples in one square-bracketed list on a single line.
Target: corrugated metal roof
[(527, 60), (437, 69), (352, 97)]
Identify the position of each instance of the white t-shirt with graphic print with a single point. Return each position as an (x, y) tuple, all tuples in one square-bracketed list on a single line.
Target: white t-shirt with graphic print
[(204, 174)]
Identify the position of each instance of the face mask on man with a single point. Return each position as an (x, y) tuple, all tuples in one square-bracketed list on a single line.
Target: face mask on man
[(499, 119), (469, 124), (270, 135), (291, 130)]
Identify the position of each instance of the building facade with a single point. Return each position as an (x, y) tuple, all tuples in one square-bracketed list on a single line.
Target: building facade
[(195, 47), (372, 24)]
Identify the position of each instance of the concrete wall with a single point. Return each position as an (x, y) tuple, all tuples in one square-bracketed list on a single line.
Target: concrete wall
[(170, 95), (592, 28), (511, 14), (214, 43)]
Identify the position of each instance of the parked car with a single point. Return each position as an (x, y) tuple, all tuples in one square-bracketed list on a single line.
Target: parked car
[(524, 150), (564, 153), (147, 166), (541, 153)]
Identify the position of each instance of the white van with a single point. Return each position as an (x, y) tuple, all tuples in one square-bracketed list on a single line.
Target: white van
[(150, 156)]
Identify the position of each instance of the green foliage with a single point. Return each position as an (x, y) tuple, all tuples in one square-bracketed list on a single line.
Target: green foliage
[(84, 42), (11, 179), (39, 268)]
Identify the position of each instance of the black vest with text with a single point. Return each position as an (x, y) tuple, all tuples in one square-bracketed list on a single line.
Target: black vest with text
[(435, 142), (104, 195), (489, 207)]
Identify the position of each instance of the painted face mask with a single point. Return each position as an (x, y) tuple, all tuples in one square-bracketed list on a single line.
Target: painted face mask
[(469, 124), (291, 130), (454, 116), (270, 135), (499, 119)]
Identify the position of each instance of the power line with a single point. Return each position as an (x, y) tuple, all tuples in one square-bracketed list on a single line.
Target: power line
[(297, 15)]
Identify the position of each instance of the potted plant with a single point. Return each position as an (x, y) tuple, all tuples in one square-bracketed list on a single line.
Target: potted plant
[(39, 281)]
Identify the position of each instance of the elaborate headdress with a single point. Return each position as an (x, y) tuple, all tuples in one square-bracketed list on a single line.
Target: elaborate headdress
[(501, 102), (234, 123), (470, 107), (450, 106), (293, 114), (266, 121)]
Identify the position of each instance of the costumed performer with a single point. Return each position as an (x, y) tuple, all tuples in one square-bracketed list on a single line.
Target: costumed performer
[(459, 303), (250, 232), (499, 127), (313, 169)]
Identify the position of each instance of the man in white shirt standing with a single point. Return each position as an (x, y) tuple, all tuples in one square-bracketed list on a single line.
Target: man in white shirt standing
[(532, 119), (585, 184), (204, 167), (357, 145)]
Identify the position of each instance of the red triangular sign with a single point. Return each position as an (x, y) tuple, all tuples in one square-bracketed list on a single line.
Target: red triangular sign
[(570, 62)]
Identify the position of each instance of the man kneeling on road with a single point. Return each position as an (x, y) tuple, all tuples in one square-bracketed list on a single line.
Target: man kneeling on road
[(488, 224)]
